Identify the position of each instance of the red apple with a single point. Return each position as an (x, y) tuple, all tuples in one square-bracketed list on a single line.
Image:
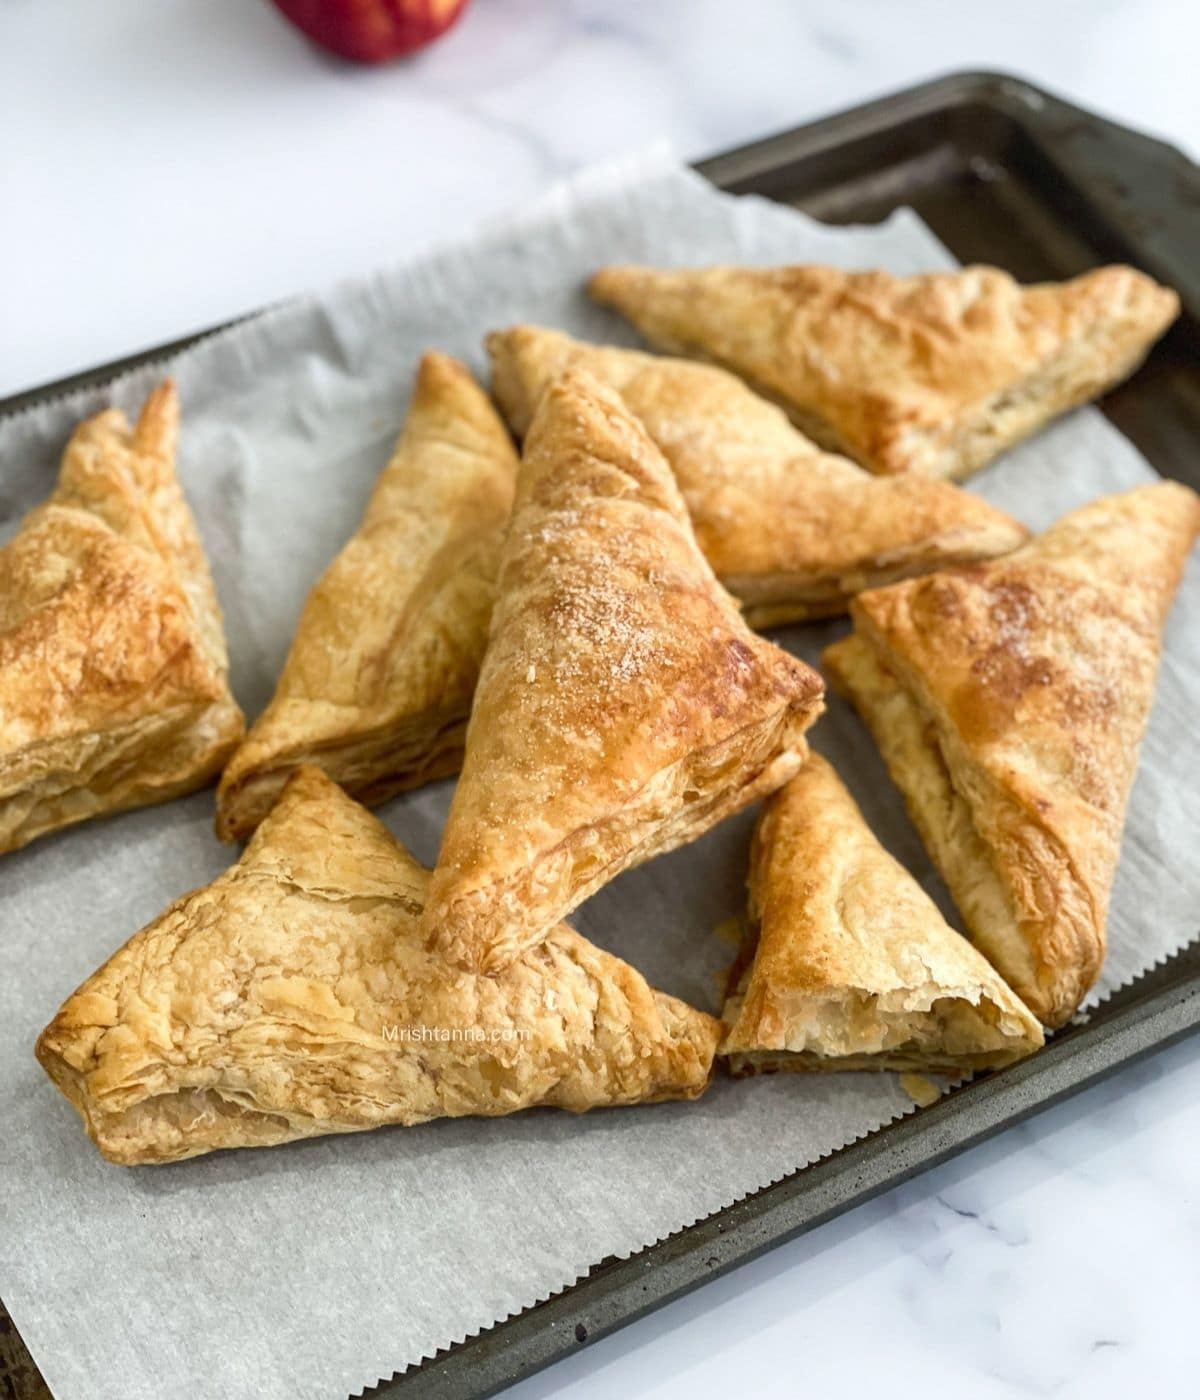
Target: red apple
[(372, 31)]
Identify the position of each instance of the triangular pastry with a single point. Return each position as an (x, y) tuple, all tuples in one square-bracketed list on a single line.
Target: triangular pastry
[(853, 967), (623, 707), (377, 685), (792, 531), (292, 997), (114, 688), (935, 373), (1009, 700)]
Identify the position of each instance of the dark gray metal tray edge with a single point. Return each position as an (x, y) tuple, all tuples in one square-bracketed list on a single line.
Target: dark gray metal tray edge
[(1154, 211), (1154, 1012)]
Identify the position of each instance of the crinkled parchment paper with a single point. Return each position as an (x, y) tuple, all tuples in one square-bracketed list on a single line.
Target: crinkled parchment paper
[(306, 1272)]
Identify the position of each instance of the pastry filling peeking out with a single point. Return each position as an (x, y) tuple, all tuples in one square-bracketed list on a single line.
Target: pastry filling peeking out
[(906, 1029)]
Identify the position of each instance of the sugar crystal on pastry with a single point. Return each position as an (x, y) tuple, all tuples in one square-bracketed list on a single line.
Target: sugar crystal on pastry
[(654, 711), (1009, 701), (790, 530)]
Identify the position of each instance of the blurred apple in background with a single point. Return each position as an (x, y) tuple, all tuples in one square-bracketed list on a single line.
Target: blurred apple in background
[(372, 31)]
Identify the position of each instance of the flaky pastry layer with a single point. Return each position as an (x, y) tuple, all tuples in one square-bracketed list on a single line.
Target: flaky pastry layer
[(114, 685), (935, 373), (378, 681), (623, 706), (791, 531), (850, 965), (1009, 701), (293, 997)]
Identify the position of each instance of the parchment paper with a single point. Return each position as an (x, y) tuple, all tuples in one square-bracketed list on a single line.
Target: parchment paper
[(309, 1271)]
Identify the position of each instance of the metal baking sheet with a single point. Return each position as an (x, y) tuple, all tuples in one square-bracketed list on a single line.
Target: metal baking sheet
[(1005, 173)]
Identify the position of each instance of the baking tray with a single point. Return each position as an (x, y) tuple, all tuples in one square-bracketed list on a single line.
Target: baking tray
[(1005, 173)]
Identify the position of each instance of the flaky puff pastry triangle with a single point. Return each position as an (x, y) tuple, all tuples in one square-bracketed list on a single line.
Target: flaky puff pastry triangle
[(792, 531), (623, 707), (293, 997), (935, 373), (851, 964), (1009, 701), (377, 685), (114, 687)]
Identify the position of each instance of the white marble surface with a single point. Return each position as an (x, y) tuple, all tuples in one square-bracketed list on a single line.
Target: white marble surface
[(165, 166)]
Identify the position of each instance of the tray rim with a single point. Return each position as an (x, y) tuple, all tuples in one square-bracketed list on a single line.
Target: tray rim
[(1155, 1011)]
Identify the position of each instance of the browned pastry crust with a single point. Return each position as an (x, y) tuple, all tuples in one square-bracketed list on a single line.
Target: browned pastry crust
[(792, 531), (853, 967), (1009, 700), (293, 997), (377, 685), (935, 373), (623, 707), (114, 685)]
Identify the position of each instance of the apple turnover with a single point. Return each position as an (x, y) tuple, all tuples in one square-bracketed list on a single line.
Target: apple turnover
[(1009, 700), (114, 687), (293, 997), (623, 707), (936, 373), (791, 531), (377, 684), (850, 964)]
